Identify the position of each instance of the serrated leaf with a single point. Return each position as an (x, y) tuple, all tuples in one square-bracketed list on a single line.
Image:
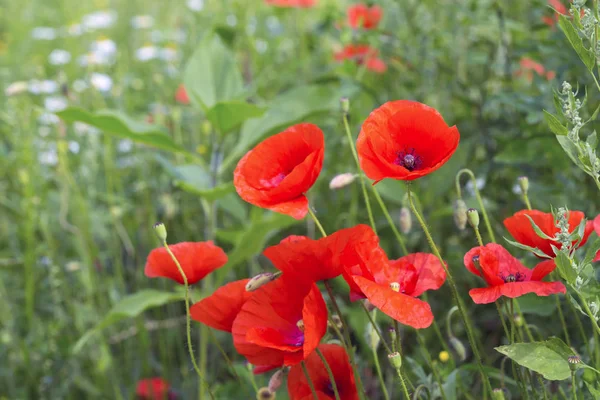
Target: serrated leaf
[(554, 124), (120, 125), (227, 116), (586, 55), (534, 250), (538, 357)]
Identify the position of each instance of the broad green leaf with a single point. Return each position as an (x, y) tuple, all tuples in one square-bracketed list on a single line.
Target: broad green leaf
[(229, 115), (564, 267), (122, 126), (390, 190), (555, 126), (538, 305), (534, 250), (592, 138), (571, 149), (129, 307), (539, 358), (212, 75), (586, 55), (195, 179), (590, 253)]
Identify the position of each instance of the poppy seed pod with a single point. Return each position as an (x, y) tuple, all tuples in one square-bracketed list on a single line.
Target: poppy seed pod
[(395, 359), (498, 394), (345, 105), (160, 230), (473, 217), (264, 394), (261, 280), (405, 220), (460, 214), (459, 348)]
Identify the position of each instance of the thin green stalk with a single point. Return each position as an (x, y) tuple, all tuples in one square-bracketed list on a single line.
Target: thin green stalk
[(398, 337), (587, 310), (330, 373), (380, 374), (463, 314), (317, 222), (574, 385), (404, 388), (429, 359), (187, 319), (486, 219), (526, 201), (311, 385), (390, 220), (563, 323), (224, 354), (502, 319), (376, 329)]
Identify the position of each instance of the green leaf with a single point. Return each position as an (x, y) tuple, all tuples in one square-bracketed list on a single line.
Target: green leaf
[(592, 138), (234, 206), (117, 124), (571, 149), (586, 55), (195, 179), (595, 392), (211, 75), (555, 126), (539, 358), (591, 251), (537, 229), (563, 265), (534, 250), (230, 115), (129, 307), (538, 305)]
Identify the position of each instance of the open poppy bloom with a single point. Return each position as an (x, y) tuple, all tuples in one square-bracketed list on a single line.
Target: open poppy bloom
[(220, 309), (506, 276), (282, 323), (363, 16), (153, 389), (362, 54), (181, 96), (278, 171), (299, 389), (521, 230), (292, 3), (404, 140), (527, 67), (197, 259), (395, 286)]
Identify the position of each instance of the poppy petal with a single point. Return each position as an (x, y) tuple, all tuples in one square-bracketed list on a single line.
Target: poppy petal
[(220, 309), (516, 289), (486, 295), (430, 272), (542, 269)]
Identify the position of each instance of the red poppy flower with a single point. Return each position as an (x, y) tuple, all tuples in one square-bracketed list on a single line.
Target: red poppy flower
[(363, 16), (220, 309), (395, 286), (281, 324), (197, 259), (279, 170), (299, 389), (527, 67), (292, 3), (521, 230), (181, 96), (362, 54), (405, 140), (153, 389), (506, 276)]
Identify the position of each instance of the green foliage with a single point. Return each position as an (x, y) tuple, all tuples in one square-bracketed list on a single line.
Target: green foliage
[(586, 55)]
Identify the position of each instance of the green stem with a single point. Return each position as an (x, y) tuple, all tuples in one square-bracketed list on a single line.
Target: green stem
[(486, 219), (314, 217), (429, 359), (398, 338), (376, 329), (574, 385), (563, 323), (380, 374), (330, 373), (224, 354), (463, 314), (502, 319), (404, 388), (526, 200), (587, 310), (187, 319), (311, 385), (390, 220)]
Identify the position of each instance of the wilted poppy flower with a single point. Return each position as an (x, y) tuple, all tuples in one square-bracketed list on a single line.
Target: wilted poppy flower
[(292, 3), (281, 323), (506, 276), (404, 140), (278, 171), (197, 259), (521, 230), (362, 54), (181, 96), (363, 16), (153, 389), (394, 287), (220, 309), (337, 359)]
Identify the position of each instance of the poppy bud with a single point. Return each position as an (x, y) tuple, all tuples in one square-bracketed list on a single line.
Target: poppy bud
[(368, 305), (372, 337), (473, 217), (345, 105), (341, 180), (498, 394), (405, 220), (161, 231), (460, 214), (523, 184), (395, 360), (573, 361), (261, 280), (459, 348), (264, 394), (276, 380), (335, 321), (444, 356), (393, 334), (518, 320)]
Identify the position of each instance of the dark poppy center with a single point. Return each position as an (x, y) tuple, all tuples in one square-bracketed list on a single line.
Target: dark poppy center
[(295, 338), (408, 159), (518, 277), (329, 389)]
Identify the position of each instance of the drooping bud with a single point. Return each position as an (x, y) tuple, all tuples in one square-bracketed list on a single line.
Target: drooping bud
[(265, 394), (523, 184), (395, 359), (276, 380), (161, 231), (444, 356), (300, 325), (335, 321), (341, 180), (498, 394), (405, 220), (460, 214), (459, 348), (473, 217), (345, 102), (260, 280)]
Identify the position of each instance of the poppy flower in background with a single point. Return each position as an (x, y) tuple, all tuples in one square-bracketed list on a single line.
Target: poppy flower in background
[(597, 229), (220, 309), (181, 96), (197, 259), (362, 54), (527, 67), (404, 140), (396, 285), (363, 16), (278, 171), (336, 357), (506, 276), (521, 230), (292, 3), (153, 389), (560, 9), (281, 323)]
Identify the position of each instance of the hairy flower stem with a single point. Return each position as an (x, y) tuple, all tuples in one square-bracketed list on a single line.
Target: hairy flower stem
[(404, 388), (486, 219), (187, 320), (330, 373), (380, 374), (311, 385), (390, 221), (455, 295), (376, 329)]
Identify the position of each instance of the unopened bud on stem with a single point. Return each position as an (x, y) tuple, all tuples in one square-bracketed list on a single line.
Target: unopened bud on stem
[(473, 217), (276, 380), (498, 394), (161, 231), (264, 394), (260, 280), (459, 348), (395, 359), (405, 220), (460, 214), (345, 105), (523, 184)]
